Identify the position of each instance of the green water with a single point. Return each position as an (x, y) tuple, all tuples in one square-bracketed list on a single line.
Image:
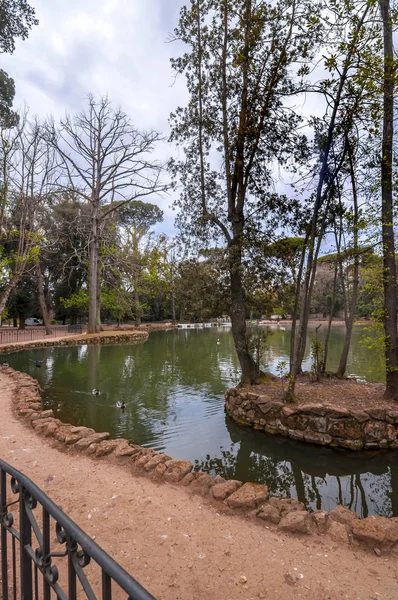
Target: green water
[(173, 386)]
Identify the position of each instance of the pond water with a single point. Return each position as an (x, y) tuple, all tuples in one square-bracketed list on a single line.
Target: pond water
[(173, 386)]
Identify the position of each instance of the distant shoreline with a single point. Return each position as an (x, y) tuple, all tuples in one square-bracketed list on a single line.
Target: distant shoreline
[(310, 322)]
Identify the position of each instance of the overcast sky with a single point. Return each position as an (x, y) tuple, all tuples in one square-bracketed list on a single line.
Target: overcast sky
[(109, 47)]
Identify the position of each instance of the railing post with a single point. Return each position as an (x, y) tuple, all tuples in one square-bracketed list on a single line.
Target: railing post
[(26, 540), (46, 551), (3, 510)]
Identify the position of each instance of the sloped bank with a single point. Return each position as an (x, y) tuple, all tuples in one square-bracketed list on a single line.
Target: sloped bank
[(250, 499), (327, 424)]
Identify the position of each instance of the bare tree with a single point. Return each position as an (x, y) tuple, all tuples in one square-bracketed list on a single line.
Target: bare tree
[(106, 162)]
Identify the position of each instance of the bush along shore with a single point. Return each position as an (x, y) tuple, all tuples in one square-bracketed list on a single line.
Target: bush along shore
[(379, 534)]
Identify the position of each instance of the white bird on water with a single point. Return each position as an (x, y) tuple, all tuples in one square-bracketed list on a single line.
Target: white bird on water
[(95, 392), (218, 342)]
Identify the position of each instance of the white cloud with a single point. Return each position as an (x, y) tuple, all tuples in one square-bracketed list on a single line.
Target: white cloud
[(103, 47)]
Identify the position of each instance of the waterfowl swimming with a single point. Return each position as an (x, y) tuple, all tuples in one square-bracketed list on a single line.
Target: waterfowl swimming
[(121, 405), (218, 342), (5, 365), (39, 363), (95, 392)]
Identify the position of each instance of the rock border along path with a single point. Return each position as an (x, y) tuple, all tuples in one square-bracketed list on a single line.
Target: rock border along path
[(250, 499)]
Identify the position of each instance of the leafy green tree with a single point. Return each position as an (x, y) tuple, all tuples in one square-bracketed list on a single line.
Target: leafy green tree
[(17, 17), (201, 290), (238, 66), (353, 52), (27, 180)]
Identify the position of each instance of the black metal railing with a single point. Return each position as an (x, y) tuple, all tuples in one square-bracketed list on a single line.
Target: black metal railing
[(11, 335), (45, 554)]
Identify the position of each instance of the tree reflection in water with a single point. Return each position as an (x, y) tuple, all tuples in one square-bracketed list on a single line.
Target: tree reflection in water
[(319, 477)]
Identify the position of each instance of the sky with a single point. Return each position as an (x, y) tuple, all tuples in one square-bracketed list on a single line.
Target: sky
[(102, 47)]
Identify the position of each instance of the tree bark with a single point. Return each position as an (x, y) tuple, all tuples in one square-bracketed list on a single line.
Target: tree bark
[(250, 373), (351, 306), (296, 305), (5, 294), (332, 304), (389, 266), (137, 309), (42, 299), (93, 325), (173, 307)]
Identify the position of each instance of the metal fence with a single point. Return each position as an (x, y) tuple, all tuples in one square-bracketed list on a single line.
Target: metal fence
[(44, 554), (10, 335)]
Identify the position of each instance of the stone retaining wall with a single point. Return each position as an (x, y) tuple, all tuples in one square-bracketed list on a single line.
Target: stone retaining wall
[(322, 424), (104, 337), (286, 514)]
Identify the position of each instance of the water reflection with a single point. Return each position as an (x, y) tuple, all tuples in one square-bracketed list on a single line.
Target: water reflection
[(318, 477), (173, 387)]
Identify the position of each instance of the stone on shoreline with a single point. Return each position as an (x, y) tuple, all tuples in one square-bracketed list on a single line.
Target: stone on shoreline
[(177, 469), (338, 532), (201, 483), (286, 505), (220, 491), (85, 442), (296, 522), (320, 518), (155, 460), (343, 515), (376, 531), (269, 513), (106, 447), (249, 495)]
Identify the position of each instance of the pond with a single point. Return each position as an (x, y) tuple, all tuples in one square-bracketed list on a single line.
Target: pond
[(173, 386)]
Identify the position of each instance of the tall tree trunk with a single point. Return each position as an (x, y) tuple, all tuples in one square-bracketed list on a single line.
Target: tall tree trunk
[(238, 311), (332, 304), (99, 327), (173, 306), (93, 326), (305, 314), (296, 305), (137, 308), (42, 300), (21, 321), (389, 267), (351, 306)]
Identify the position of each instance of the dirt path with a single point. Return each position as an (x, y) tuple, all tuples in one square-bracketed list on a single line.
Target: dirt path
[(178, 546)]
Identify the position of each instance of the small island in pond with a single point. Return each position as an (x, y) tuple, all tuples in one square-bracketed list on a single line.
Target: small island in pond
[(332, 412)]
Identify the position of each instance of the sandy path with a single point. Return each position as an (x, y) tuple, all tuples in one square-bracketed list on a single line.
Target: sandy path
[(178, 546)]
